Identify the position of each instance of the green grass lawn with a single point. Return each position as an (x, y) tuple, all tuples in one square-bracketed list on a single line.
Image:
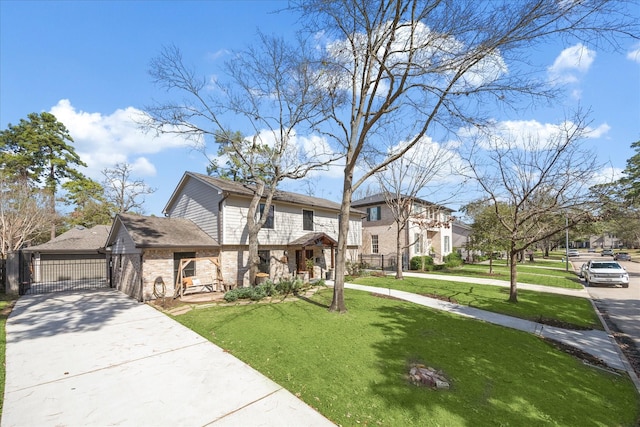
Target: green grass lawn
[(353, 367), (527, 273), (531, 305), (5, 300)]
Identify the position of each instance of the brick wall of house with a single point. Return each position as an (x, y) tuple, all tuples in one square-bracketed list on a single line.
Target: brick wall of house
[(126, 274), (159, 264)]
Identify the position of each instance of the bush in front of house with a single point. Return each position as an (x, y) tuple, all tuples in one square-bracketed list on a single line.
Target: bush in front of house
[(454, 259), (417, 261), (265, 289)]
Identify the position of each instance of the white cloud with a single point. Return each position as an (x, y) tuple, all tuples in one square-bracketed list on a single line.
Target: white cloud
[(527, 134), (634, 53), (606, 175), (571, 63), (104, 140)]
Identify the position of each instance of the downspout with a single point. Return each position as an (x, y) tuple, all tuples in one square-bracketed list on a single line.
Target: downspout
[(141, 277), (225, 195)]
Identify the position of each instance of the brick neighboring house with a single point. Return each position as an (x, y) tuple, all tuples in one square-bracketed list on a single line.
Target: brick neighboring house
[(427, 232), (206, 217)]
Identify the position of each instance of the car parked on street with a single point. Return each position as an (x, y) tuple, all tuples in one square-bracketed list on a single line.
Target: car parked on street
[(622, 256), (606, 252), (604, 273), (573, 252)]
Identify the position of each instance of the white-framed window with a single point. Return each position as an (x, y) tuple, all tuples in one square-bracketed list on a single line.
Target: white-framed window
[(307, 220), (417, 238), (374, 213), (269, 223), (374, 244), (447, 244)]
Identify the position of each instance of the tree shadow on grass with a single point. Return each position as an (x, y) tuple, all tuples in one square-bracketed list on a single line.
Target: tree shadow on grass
[(498, 376)]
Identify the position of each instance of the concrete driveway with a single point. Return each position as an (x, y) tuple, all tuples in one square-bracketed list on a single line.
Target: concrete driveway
[(90, 358)]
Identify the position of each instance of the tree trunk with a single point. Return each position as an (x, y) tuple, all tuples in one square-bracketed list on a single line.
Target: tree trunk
[(513, 290), (398, 253), (337, 304)]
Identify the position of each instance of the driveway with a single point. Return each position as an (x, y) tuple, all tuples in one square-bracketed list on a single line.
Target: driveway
[(100, 358)]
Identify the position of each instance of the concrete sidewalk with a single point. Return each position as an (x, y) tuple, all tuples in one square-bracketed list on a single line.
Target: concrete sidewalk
[(596, 343), (582, 293), (94, 358)]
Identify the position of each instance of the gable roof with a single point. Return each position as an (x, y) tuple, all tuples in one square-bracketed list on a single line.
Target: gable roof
[(78, 239), (158, 232), (314, 239), (379, 198), (240, 189)]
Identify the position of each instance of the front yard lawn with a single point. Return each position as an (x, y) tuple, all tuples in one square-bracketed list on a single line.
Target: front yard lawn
[(526, 274), (6, 302), (353, 367), (535, 306)]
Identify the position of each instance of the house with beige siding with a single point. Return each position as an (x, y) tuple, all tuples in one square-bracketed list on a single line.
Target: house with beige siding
[(428, 230), (298, 239)]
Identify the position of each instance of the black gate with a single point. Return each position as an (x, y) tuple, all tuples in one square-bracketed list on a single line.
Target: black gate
[(60, 272)]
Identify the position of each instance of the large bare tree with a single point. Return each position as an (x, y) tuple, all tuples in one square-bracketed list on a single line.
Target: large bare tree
[(271, 90), (411, 68), (530, 179), (124, 193)]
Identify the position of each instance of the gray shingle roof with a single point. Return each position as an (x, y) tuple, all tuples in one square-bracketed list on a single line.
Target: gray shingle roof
[(151, 231), (77, 240), (282, 196), (379, 198)]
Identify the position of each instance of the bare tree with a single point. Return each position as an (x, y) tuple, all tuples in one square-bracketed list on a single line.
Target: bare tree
[(122, 191), (412, 68), (403, 180), (24, 213), (273, 90), (528, 180)]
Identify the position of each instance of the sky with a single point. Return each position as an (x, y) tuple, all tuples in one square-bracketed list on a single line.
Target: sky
[(87, 63)]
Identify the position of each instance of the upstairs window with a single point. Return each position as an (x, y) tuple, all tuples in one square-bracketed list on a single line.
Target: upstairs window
[(269, 223), (373, 214), (307, 220)]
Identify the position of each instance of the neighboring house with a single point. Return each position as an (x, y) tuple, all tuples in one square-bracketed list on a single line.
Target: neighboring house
[(146, 253), (427, 232), (73, 260), (461, 239), (206, 218)]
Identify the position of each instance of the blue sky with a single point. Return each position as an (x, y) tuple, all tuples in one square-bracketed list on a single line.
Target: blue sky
[(87, 62)]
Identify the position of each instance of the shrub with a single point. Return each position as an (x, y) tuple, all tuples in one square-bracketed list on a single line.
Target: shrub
[(354, 268), (416, 263), (452, 260), (288, 286)]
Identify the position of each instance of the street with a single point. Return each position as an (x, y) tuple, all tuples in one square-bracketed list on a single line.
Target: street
[(620, 305)]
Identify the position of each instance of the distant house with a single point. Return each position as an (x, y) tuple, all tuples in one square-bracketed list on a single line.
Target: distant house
[(206, 218), (427, 232)]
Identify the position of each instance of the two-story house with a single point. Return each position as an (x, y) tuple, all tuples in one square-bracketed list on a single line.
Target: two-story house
[(300, 235), (427, 230)]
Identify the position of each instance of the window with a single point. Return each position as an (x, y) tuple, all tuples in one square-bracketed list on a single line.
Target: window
[(269, 223), (417, 238), (373, 214), (374, 244), (265, 261), (307, 220), (446, 244)]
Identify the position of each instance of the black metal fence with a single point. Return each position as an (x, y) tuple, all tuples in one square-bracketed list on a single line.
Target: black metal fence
[(381, 262), (39, 276)]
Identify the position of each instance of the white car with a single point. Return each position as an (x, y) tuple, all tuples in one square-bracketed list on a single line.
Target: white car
[(573, 252), (604, 273)]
